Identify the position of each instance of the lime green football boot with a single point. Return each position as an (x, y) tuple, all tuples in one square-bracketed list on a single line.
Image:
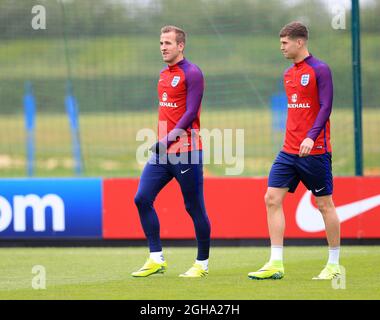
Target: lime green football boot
[(150, 267), (271, 270), (331, 271), (196, 271)]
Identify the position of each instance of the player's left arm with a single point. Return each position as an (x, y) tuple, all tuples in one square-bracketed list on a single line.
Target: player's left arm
[(325, 94), (194, 94)]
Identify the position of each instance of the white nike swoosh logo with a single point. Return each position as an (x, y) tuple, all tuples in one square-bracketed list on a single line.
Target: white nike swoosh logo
[(317, 190), (185, 171), (309, 218)]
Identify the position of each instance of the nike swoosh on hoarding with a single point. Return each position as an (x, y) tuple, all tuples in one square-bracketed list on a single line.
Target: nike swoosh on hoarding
[(309, 219)]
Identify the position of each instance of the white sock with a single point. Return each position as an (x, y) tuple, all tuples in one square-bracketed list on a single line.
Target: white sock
[(334, 255), (276, 253), (203, 263), (157, 256)]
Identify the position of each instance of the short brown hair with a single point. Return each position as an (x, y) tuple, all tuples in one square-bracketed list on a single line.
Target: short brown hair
[(180, 34), (295, 30)]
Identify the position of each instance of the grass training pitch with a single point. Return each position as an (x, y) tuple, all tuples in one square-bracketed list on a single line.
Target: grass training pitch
[(104, 273)]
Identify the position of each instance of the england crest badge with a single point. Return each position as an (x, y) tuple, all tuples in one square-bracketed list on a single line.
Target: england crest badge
[(175, 81), (305, 79)]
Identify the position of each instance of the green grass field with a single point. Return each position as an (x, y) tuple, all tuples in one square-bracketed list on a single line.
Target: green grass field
[(104, 273)]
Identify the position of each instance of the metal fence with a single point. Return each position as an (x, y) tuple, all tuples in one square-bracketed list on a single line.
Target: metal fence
[(101, 59)]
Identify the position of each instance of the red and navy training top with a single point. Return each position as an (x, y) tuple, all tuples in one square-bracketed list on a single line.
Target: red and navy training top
[(180, 91), (309, 89)]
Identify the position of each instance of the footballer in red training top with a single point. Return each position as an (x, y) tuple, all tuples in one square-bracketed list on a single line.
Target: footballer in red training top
[(306, 155), (308, 86), (180, 91), (177, 154)]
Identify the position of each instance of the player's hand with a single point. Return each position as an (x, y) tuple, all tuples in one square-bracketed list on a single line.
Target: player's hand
[(306, 147), (158, 148)]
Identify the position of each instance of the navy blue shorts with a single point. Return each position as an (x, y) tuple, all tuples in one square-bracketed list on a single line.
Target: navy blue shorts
[(314, 171)]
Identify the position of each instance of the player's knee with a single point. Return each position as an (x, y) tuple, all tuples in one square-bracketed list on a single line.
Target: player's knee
[(190, 208), (141, 200), (193, 206), (324, 205), (138, 200), (198, 213), (272, 200)]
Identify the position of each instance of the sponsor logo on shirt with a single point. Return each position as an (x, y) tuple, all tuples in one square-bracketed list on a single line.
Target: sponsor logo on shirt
[(168, 104), (299, 105), (164, 102), (294, 97)]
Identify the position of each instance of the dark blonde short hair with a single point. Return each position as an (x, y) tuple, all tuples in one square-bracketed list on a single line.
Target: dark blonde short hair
[(180, 34)]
